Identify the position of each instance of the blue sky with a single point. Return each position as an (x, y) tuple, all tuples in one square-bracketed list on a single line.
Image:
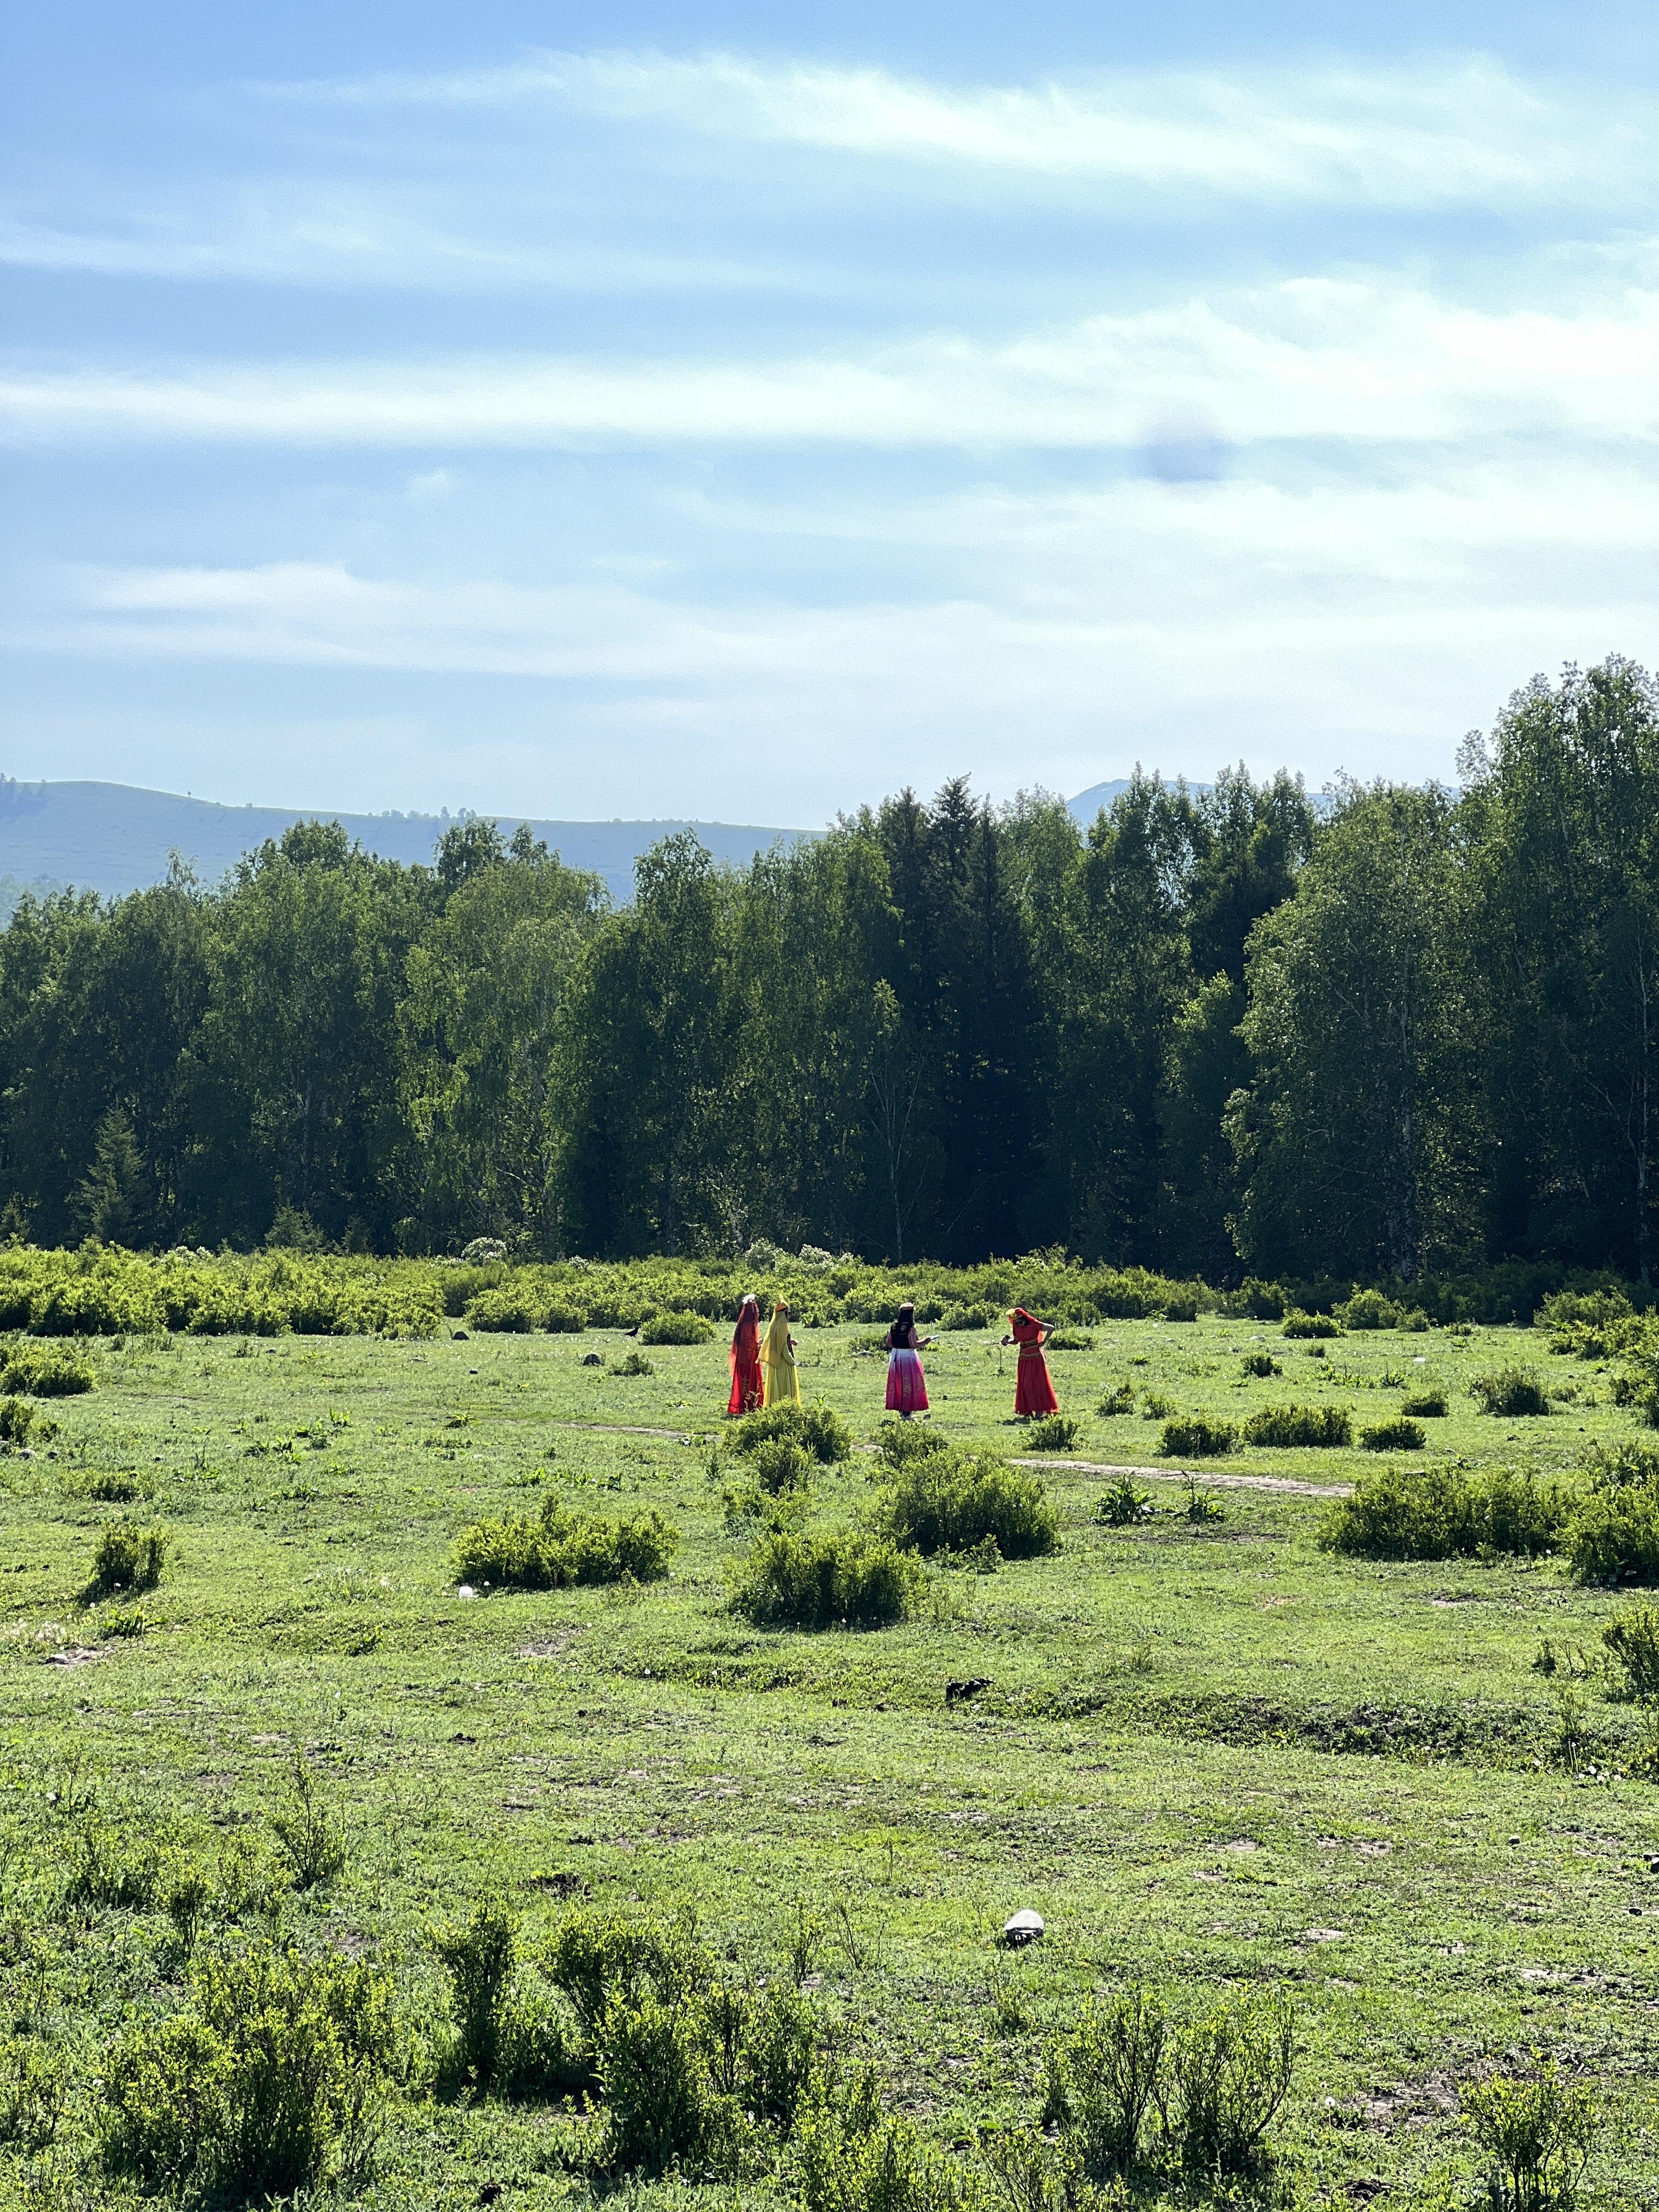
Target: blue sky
[(740, 411)]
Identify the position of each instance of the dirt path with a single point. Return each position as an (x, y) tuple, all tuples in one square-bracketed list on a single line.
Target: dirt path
[(1207, 1475)]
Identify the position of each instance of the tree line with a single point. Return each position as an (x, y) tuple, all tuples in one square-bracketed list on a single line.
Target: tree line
[(1399, 1031)]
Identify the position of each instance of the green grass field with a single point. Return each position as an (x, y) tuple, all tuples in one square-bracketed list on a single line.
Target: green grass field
[(1209, 1752)]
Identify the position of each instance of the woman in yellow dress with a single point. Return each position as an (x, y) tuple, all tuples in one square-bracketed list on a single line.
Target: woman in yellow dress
[(782, 1383)]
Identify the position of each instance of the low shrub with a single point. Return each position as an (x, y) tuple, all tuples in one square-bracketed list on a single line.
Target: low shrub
[(1632, 1642), (111, 1868), (40, 1370), (1442, 1513), (1202, 1506), (32, 2093), (1369, 1309), (946, 1501), (1070, 1339), (1181, 1309), (1515, 1392), (899, 1443), (307, 1833), (1103, 2083), (1260, 1364), (513, 1311), (782, 1467), (564, 1321), (1536, 2136), (1612, 1535), (632, 1363), (561, 1548), (1310, 1324), (128, 1558), (1119, 1399), (504, 2043), (1122, 1504), (1188, 1436), (849, 2157), (1230, 2072), (1397, 1434), (974, 1316), (1429, 1404), (1287, 1428), (114, 1486), (1054, 1432), (817, 1429), (271, 2081), (677, 1328), (827, 1579)]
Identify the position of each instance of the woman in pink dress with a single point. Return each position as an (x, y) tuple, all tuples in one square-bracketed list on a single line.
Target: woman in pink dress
[(907, 1386), (746, 1391), (1034, 1394)]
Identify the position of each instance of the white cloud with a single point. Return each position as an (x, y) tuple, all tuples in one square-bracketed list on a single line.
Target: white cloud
[(1437, 133), (1309, 359)]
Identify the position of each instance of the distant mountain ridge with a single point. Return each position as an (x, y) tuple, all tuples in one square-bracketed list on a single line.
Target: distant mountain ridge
[(113, 838)]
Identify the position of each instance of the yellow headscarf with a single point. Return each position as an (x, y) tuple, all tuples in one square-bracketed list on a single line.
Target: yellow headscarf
[(775, 1352)]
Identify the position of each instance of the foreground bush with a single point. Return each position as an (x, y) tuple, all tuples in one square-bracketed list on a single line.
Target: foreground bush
[(1442, 1513), (817, 1429), (1133, 2088), (838, 1578), (852, 2157), (1397, 1434), (41, 1370), (561, 1548), (270, 2081), (946, 1501), (1323, 1428), (128, 1558), (1535, 2136)]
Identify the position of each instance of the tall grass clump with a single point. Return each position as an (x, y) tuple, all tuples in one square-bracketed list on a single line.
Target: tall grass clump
[(271, 2080), (1284, 1428), (1514, 1393), (944, 1500), (1188, 1436), (128, 1558), (1442, 1514), (833, 1578), (561, 1548)]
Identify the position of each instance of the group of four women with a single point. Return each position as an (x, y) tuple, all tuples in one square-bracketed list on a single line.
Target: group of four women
[(763, 1371)]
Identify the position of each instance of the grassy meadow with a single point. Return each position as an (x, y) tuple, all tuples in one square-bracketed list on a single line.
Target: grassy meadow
[(1207, 1751)]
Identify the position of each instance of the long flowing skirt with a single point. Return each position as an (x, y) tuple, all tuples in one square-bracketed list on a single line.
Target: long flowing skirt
[(748, 1392), (782, 1382), (907, 1386), (1033, 1391)]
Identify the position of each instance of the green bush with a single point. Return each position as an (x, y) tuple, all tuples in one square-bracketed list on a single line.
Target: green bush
[(817, 1429), (564, 1321), (1103, 2083), (17, 1418), (977, 1317), (513, 1311), (111, 1869), (271, 2081), (1632, 1642), (782, 1467), (1119, 1399), (677, 1328), (1536, 2136), (1285, 1428), (32, 2093), (307, 1833), (128, 1558), (1441, 1514), (1369, 1309), (561, 1548), (1612, 1535), (1429, 1405), (1260, 1364), (632, 1363), (506, 2042), (1397, 1434), (1310, 1324), (1230, 2072), (1181, 1309), (1054, 1432), (850, 2157), (1189, 1437), (40, 1370), (946, 1501), (830, 1579), (1513, 1392), (1124, 1503)]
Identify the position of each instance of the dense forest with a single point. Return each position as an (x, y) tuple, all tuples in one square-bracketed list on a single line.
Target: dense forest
[(1401, 1030)]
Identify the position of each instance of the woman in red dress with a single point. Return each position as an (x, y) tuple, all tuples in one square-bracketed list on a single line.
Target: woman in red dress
[(1033, 1393), (746, 1387)]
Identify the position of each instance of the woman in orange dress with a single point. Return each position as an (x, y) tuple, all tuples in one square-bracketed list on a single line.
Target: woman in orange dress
[(746, 1387), (1034, 1394)]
